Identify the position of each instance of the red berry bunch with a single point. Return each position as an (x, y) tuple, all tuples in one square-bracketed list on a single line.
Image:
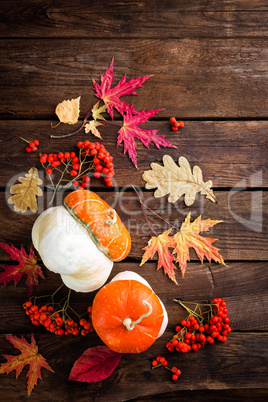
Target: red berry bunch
[(32, 145), (92, 156), (176, 124), (161, 361), (56, 321), (201, 328)]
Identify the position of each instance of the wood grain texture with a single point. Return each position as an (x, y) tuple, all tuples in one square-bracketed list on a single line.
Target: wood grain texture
[(130, 19), (241, 236), (221, 366), (242, 285), (230, 153), (191, 78)]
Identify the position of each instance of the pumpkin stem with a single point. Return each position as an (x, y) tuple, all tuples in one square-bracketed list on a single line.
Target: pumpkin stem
[(131, 324), (112, 215)]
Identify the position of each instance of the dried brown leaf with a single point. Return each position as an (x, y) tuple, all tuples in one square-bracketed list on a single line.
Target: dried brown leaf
[(177, 180), (26, 191)]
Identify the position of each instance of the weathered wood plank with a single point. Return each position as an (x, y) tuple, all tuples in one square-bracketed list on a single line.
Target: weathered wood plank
[(242, 285), (191, 78), (241, 236), (238, 364), (230, 153), (137, 19)]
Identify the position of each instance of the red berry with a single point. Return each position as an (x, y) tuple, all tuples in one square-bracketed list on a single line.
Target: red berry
[(175, 377), (73, 173), (154, 363), (60, 155), (174, 128), (172, 119), (67, 155), (75, 183), (97, 174), (98, 168), (48, 171), (86, 179), (36, 143), (181, 123), (28, 149), (43, 159), (79, 144)]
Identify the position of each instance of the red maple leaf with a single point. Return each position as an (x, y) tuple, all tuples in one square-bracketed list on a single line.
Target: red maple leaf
[(131, 130), (27, 266), (29, 355), (111, 96), (160, 244), (95, 364)]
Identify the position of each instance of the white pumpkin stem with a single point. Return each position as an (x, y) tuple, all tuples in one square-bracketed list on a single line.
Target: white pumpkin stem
[(129, 324), (112, 214)]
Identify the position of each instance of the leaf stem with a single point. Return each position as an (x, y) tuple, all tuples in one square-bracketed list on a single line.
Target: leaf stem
[(160, 217)]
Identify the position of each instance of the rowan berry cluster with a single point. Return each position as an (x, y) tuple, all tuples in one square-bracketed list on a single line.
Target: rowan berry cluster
[(176, 124), (161, 361), (201, 328), (92, 157), (32, 145), (56, 321)]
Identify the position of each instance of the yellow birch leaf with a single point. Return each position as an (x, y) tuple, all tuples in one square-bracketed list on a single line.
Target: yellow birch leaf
[(68, 111), (97, 111), (92, 126), (177, 180), (26, 191)]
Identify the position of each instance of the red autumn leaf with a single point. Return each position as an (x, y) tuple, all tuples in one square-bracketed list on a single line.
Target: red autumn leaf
[(131, 130), (95, 364), (29, 355), (188, 236), (27, 266), (111, 96), (160, 244)]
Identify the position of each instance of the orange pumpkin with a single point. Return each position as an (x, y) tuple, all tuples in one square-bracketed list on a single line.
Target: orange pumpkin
[(127, 315), (102, 222)]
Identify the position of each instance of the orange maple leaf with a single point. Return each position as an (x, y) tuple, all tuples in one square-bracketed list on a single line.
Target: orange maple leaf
[(188, 236), (29, 355), (160, 244)]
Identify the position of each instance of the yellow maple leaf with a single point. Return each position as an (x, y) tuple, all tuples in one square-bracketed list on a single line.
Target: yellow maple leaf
[(68, 111), (97, 111), (177, 180), (188, 236), (92, 126), (26, 191)]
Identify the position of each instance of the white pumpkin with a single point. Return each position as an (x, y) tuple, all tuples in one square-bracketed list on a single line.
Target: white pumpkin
[(79, 242)]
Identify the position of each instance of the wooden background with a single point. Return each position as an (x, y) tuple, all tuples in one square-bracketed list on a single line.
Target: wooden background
[(209, 65)]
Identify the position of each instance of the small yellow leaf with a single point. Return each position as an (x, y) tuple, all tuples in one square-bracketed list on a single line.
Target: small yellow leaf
[(177, 180), (92, 126), (68, 111), (96, 111), (26, 191)]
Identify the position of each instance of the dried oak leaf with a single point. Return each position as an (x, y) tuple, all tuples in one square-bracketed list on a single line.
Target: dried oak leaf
[(92, 126), (188, 236), (177, 180), (68, 111), (131, 130), (29, 355), (111, 96), (95, 364), (27, 266), (160, 244), (26, 191)]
